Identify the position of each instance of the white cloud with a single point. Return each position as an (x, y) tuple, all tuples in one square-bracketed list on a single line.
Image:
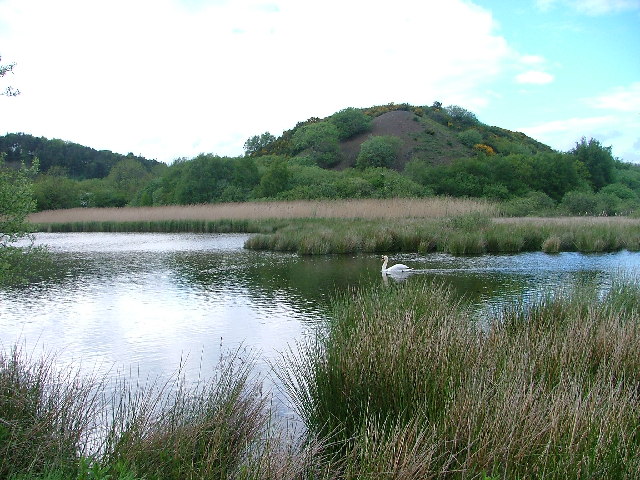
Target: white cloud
[(623, 99), (592, 7), (532, 60), (534, 77), (169, 78), (617, 130)]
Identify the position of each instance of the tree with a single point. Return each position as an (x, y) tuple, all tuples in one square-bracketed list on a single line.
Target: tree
[(461, 116), (254, 144), (128, 176), (16, 201), (598, 160), (378, 151), (275, 180)]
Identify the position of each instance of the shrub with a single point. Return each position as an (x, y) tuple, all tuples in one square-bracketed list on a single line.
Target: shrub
[(470, 137), (320, 140), (350, 122), (579, 203), (378, 151), (533, 203)]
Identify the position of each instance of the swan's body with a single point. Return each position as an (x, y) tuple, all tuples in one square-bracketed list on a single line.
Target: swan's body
[(398, 267)]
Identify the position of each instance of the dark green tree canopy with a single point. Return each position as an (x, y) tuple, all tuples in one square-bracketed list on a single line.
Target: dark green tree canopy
[(255, 144), (598, 160)]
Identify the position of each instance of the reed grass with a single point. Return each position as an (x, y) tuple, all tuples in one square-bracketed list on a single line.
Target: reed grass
[(55, 426), (470, 234), (435, 207), (46, 416), (408, 385), (456, 226)]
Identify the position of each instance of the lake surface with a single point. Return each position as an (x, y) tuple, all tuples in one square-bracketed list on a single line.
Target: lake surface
[(149, 303)]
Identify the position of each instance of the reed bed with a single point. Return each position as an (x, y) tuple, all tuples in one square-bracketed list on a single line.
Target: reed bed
[(469, 234), (408, 385), (435, 207), (56, 427)]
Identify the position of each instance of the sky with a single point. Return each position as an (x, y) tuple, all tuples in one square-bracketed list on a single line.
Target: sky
[(168, 79)]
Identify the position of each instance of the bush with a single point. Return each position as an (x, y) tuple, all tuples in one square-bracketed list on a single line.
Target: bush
[(580, 203), (533, 203), (320, 140), (53, 192), (470, 137), (378, 151), (620, 190), (350, 122)]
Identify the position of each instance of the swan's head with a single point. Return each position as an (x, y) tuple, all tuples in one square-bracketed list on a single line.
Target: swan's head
[(384, 257)]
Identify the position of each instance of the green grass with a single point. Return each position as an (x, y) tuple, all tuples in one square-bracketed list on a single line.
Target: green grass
[(406, 381)]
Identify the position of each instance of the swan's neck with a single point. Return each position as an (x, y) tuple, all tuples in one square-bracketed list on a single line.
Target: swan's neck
[(384, 265)]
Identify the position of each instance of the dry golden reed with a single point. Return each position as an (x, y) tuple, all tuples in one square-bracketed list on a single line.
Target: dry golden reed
[(367, 208)]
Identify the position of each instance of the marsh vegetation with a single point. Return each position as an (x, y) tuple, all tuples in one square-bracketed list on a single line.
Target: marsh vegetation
[(403, 382)]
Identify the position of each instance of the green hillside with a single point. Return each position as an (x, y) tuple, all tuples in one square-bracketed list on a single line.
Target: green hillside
[(434, 134)]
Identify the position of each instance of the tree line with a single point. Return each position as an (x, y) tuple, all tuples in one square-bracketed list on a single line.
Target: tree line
[(303, 163)]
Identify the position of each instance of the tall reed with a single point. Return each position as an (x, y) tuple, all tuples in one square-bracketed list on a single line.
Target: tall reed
[(46, 416), (470, 234), (409, 384), (58, 427)]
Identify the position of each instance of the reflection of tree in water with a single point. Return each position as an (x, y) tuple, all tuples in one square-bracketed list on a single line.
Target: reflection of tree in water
[(308, 282)]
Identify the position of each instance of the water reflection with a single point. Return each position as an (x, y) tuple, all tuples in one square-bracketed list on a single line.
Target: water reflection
[(152, 300)]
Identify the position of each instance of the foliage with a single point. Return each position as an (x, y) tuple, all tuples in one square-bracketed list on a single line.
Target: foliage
[(598, 160), (499, 176), (470, 137), (53, 192), (128, 176), (275, 180), (350, 122), (16, 200), (461, 117), (80, 162), (204, 179), (320, 141), (258, 143), (605, 203), (378, 151), (532, 203)]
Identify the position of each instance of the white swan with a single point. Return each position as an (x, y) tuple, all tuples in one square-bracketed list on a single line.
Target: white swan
[(398, 267)]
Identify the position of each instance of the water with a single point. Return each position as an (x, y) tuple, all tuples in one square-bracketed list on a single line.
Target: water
[(151, 303)]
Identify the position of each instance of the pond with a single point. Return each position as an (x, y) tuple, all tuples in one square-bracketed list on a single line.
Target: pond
[(151, 303)]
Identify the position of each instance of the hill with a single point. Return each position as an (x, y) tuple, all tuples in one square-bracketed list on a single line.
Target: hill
[(71, 159), (434, 134)]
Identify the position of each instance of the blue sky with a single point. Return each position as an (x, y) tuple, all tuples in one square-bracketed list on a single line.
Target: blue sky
[(174, 78)]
